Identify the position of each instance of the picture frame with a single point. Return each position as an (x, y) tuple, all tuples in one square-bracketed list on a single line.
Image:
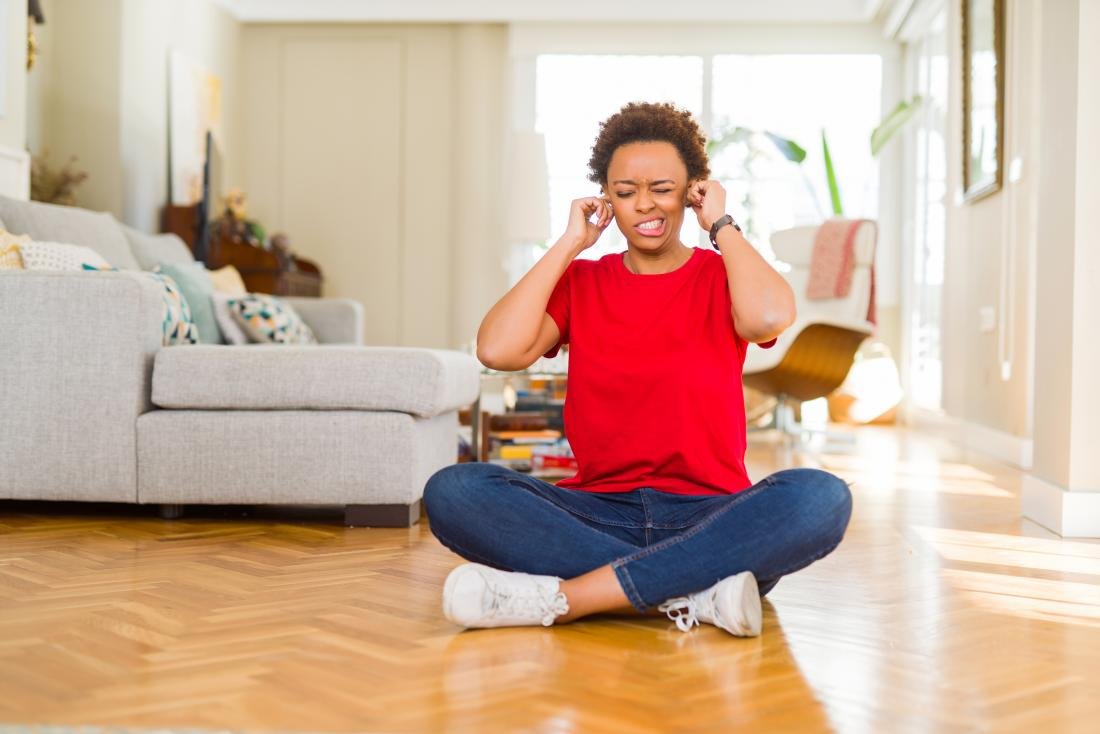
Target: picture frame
[(983, 79)]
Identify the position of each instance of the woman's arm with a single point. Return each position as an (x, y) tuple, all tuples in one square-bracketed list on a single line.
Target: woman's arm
[(517, 330), (763, 302)]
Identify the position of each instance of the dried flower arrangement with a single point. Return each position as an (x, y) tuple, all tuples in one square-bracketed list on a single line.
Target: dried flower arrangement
[(55, 186)]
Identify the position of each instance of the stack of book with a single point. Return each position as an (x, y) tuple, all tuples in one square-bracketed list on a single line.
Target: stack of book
[(522, 441)]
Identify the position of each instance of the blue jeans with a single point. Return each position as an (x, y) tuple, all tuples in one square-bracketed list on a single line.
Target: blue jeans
[(660, 545)]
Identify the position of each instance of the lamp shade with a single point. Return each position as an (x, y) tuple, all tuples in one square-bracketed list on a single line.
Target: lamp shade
[(528, 194)]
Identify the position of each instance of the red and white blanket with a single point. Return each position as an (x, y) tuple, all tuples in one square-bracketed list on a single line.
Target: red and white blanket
[(834, 258)]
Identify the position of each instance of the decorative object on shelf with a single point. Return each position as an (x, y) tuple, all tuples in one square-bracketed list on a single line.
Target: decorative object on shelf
[(234, 240), (234, 220), (35, 17), (55, 185), (983, 91), (194, 109)]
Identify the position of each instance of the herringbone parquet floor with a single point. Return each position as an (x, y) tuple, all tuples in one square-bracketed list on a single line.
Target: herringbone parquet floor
[(941, 611)]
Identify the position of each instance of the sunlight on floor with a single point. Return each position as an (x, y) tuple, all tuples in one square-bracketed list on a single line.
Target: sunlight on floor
[(1068, 602), (1014, 551)]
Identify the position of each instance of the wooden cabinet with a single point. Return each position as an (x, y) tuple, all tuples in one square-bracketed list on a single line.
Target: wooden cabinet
[(263, 271)]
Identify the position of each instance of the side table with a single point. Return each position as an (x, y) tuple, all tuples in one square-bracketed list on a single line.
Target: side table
[(479, 418)]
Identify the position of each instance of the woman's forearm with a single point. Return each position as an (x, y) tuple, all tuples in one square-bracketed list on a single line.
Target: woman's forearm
[(763, 302), (511, 328)]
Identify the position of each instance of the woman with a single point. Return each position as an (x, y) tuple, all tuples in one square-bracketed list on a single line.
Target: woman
[(661, 512)]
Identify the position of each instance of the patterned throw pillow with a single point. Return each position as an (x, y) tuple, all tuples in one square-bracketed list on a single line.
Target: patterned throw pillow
[(10, 259), (269, 320), (227, 325), (177, 326), (59, 256), (194, 283)]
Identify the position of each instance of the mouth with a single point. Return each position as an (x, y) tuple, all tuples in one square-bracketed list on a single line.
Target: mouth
[(651, 227)]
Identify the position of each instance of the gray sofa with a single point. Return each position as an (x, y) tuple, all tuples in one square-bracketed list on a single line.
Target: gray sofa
[(93, 408)]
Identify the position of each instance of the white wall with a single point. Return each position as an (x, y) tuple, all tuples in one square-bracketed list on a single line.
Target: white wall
[(102, 94), (13, 120)]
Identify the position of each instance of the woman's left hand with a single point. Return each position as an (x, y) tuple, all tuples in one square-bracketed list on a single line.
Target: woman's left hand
[(708, 199)]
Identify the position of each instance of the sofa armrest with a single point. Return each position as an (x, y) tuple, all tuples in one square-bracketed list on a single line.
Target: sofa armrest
[(333, 320), (76, 355)]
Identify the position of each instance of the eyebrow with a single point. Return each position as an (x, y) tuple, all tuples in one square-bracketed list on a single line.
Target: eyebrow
[(651, 183)]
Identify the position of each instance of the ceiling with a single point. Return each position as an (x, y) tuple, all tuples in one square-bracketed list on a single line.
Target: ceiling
[(631, 11)]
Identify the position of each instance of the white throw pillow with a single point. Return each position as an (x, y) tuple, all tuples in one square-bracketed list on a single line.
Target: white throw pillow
[(230, 329), (59, 256)]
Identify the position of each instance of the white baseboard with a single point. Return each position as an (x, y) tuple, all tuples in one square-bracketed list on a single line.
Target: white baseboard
[(1014, 450), (1070, 513)]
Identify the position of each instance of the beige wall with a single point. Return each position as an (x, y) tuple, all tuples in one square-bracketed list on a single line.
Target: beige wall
[(376, 149), (13, 121), (977, 235), (75, 95), (101, 94)]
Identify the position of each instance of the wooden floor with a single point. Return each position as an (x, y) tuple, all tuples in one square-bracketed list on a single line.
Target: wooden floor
[(941, 611)]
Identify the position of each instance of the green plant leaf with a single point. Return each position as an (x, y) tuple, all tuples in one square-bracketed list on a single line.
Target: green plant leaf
[(830, 175), (791, 150), (894, 122)]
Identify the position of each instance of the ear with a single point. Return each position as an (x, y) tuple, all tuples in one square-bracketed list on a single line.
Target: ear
[(687, 192)]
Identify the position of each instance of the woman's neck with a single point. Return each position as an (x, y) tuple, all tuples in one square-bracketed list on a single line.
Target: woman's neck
[(656, 263)]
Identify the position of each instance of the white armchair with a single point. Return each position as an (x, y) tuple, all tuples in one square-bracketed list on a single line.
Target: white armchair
[(813, 356)]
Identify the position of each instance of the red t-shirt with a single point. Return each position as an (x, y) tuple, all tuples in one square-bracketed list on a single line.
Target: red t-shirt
[(655, 396)]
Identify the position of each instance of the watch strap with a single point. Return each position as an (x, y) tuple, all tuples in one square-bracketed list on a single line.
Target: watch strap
[(718, 224)]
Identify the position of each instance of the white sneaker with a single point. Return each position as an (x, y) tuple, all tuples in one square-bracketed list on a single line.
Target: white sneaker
[(479, 596), (732, 604)]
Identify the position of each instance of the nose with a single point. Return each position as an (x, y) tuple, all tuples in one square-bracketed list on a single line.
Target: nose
[(643, 202)]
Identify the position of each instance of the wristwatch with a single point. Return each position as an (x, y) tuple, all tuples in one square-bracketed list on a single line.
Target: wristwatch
[(721, 222)]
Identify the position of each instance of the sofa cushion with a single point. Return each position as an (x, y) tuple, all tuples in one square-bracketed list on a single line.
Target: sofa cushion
[(423, 382), (61, 256), (52, 223), (10, 257), (151, 250), (228, 280)]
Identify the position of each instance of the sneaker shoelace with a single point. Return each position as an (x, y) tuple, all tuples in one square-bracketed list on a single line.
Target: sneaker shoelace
[(528, 603), (681, 610)]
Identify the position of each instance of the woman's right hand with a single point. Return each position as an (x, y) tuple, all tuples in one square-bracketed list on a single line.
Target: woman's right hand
[(581, 229)]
